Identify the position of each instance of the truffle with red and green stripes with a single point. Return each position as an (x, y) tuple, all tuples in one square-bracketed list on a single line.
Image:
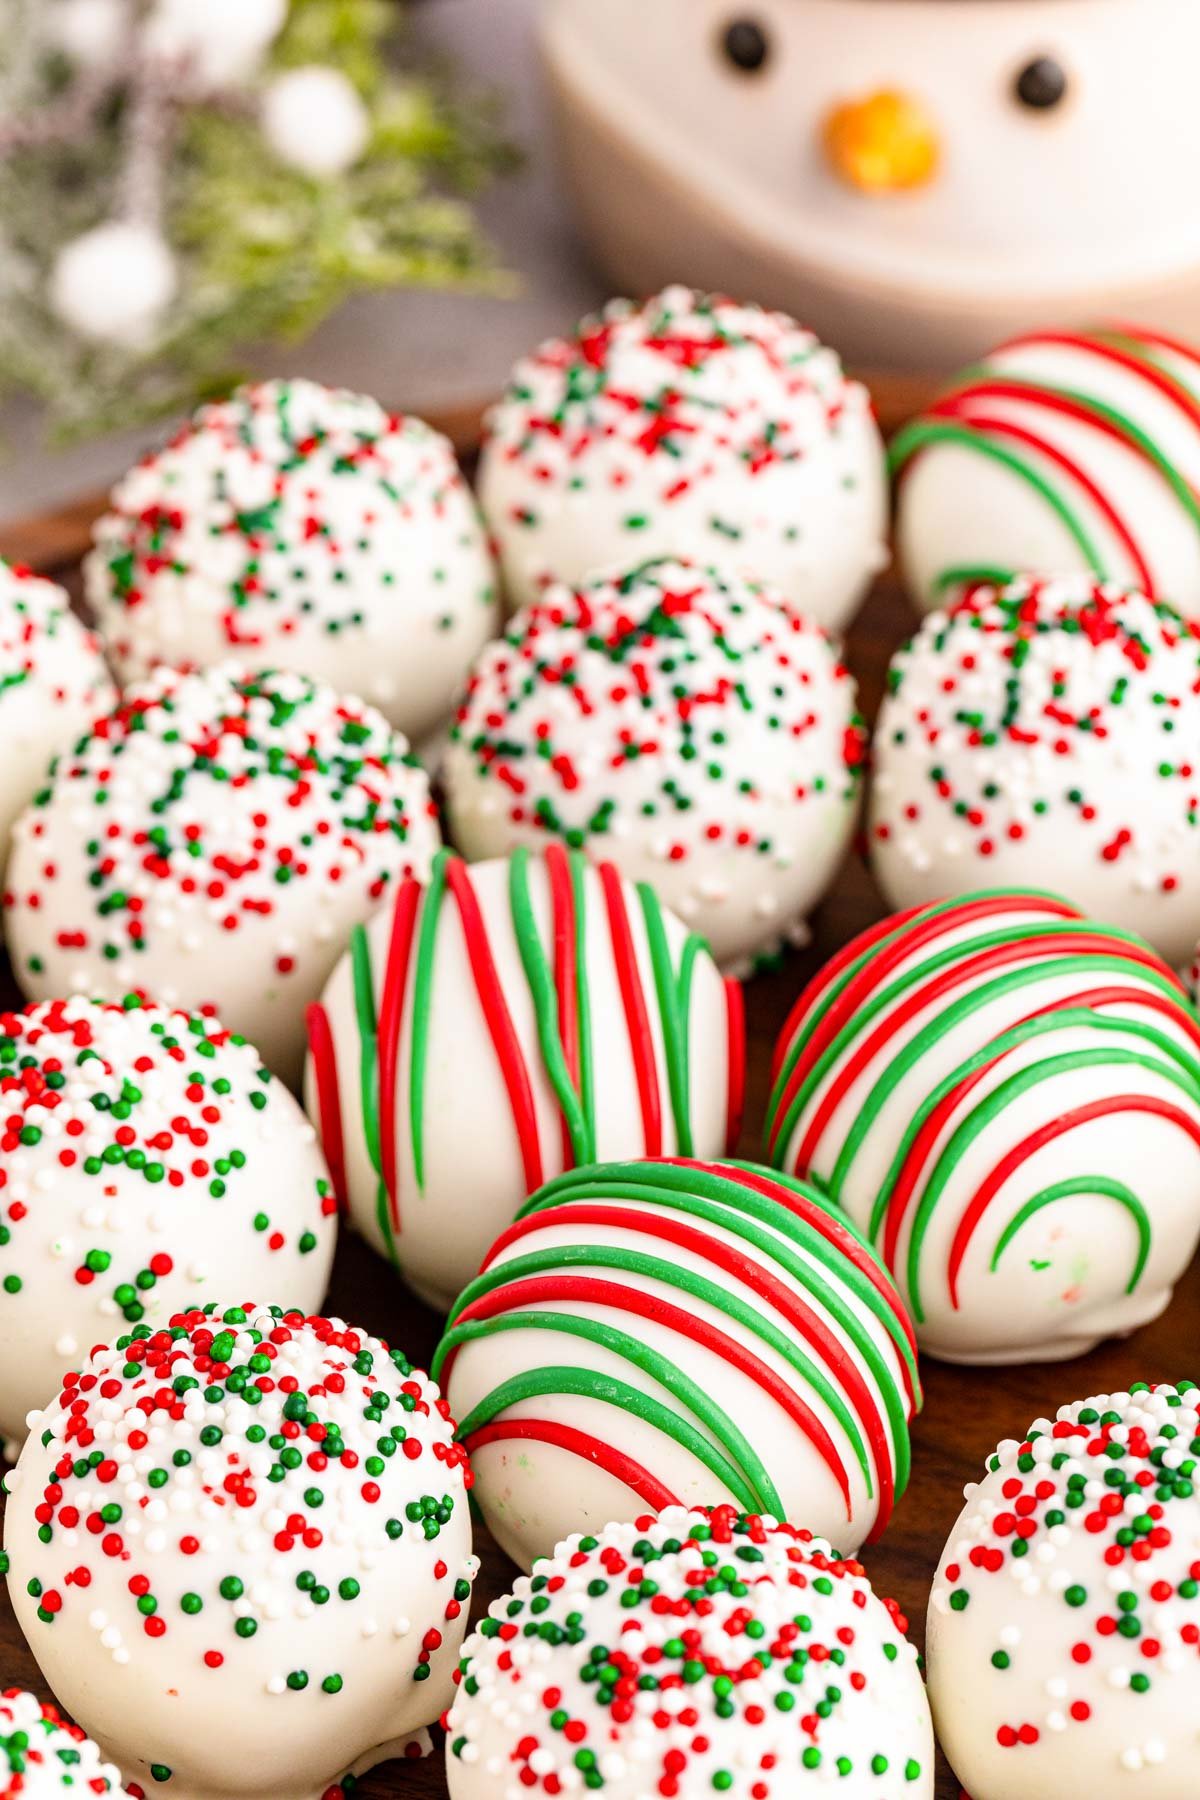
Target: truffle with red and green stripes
[(42, 1754), (703, 1651), (1064, 1623), (1005, 1097), (688, 425), (672, 1332), (147, 1159), (690, 725), (239, 1547), (1047, 731), (1060, 452), (212, 842), (503, 1023)]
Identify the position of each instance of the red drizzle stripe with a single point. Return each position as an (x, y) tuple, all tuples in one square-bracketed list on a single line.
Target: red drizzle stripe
[(828, 973), (637, 1019), (735, 1030), (562, 902), (329, 1103), (499, 1021), (391, 1018), (1046, 1134), (734, 1262), (1113, 353), (535, 1291), (647, 1487)]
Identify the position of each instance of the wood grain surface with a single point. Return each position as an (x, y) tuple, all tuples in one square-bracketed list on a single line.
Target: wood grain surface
[(967, 1411)]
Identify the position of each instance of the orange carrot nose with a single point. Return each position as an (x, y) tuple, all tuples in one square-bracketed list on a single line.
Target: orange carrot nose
[(882, 142)]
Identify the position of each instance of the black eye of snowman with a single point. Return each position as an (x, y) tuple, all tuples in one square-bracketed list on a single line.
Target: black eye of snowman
[(1041, 84), (745, 44)]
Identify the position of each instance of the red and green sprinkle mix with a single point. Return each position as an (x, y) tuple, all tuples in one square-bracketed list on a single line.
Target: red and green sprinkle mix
[(41, 1753)]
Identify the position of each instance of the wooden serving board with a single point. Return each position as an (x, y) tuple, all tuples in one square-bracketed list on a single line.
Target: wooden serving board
[(967, 1411)]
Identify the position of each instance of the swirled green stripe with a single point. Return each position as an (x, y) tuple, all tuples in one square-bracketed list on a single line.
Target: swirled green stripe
[(431, 909), (920, 433), (583, 998), (368, 1075), (967, 574), (988, 1109), (733, 1442), (694, 1286), (540, 976), (1089, 1185), (674, 1047)]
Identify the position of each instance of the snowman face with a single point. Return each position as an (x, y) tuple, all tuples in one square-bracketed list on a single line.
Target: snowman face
[(1046, 144)]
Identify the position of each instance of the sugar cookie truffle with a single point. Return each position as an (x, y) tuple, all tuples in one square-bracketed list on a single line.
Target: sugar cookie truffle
[(240, 1550), (1005, 1098), (502, 1024), (1065, 1615), (146, 1160), (212, 842), (662, 1333), (690, 726), (1062, 452), (53, 683), (688, 426), (694, 1653), (42, 1755), (1047, 732), (298, 527)]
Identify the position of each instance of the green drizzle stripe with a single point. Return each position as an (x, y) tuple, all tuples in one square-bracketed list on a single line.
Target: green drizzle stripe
[(431, 907), (672, 1014), (368, 1067), (1084, 1184), (583, 999), (967, 574), (540, 976)]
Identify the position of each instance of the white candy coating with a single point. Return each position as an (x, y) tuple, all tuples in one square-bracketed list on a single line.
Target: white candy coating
[(301, 527), (689, 726), (147, 1161), (266, 1600), (53, 683), (212, 843), (691, 1654), (1064, 1621), (1046, 734), (41, 1755), (688, 426)]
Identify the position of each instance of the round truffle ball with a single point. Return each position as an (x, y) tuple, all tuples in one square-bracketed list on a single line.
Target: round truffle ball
[(694, 1653), (1005, 1098), (1062, 452), (212, 842), (53, 683), (300, 527), (502, 1024), (41, 1754), (146, 1159), (1064, 1617), (655, 1333), (690, 726), (688, 426), (1046, 733), (239, 1548)]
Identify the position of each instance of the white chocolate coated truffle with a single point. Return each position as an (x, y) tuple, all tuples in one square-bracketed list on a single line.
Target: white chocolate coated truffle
[(694, 1653), (1062, 452), (1005, 1098), (499, 1025), (688, 426), (661, 1333), (240, 1550), (1064, 1619), (41, 1755), (211, 843), (689, 726), (147, 1160), (1047, 734), (300, 527), (53, 683)]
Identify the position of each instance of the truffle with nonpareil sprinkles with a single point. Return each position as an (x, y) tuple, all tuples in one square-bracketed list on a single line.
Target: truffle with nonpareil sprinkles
[(688, 426), (212, 842), (42, 1755), (692, 727), (239, 1547), (301, 527), (146, 1159), (691, 1653), (1047, 732), (53, 683), (1064, 1625)]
